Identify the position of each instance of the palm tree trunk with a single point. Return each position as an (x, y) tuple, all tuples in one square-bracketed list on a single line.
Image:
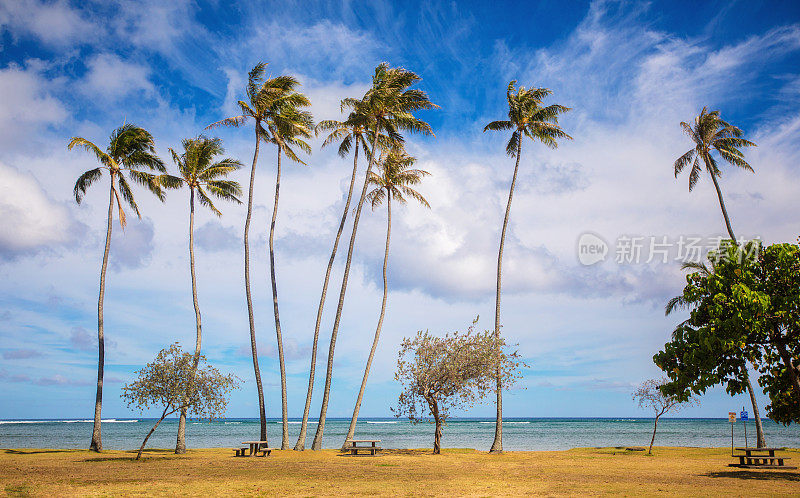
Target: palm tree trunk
[(722, 205), (759, 431), (253, 347), (760, 441), (317, 444), (180, 445), (284, 408), (97, 442), (351, 430), (497, 444), (301, 440)]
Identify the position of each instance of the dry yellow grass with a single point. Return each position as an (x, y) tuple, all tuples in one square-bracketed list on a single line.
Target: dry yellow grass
[(673, 471)]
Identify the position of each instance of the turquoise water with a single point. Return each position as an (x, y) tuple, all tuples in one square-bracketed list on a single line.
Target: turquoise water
[(518, 433)]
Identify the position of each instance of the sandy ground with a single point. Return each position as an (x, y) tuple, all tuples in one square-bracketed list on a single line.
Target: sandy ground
[(670, 471)]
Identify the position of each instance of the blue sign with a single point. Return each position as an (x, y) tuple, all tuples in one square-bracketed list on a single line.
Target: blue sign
[(743, 415)]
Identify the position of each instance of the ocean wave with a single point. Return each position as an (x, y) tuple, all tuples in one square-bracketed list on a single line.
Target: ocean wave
[(379, 422)]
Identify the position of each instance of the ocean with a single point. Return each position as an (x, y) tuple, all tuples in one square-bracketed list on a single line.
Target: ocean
[(518, 433)]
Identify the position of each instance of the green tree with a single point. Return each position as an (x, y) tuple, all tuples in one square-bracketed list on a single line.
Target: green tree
[(353, 135), (395, 181), (388, 108), (710, 133), (650, 397), (743, 308), (527, 117), (264, 95), (206, 179), (130, 152), (179, 381), (441, 374)]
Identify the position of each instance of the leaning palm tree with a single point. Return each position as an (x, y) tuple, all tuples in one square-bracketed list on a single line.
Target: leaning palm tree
[(130, 150), (352, 133), (205, 178), (395, 181), (261, 96), (288, 126), (388, 108), (710, 132), (527, 117)]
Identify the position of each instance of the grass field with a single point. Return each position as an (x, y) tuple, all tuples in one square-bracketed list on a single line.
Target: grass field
[(673, 471)]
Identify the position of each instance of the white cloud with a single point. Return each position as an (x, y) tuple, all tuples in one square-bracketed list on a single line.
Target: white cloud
[(26, 105), (30, 221), (54, 23), (133, 246), (110, 77)]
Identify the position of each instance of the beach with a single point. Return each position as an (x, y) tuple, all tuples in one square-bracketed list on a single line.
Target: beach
[(583, 471)]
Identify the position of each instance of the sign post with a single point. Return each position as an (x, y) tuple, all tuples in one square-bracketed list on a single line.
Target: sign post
[(743, 416), (732, 420)]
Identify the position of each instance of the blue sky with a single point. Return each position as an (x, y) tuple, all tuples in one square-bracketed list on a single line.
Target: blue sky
[(631, 71)]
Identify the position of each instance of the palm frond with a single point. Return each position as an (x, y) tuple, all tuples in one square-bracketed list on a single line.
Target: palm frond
[(206, 201), (85, 181), (87, 145)]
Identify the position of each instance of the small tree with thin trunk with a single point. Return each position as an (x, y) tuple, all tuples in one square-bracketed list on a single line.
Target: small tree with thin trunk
[(442, 374), (173, 382), (649, 396)]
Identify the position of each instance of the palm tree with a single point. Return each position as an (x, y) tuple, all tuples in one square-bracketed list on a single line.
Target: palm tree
[(395, 182), (130, 150), (203, 176), (351, 132), (288, 126), (710, 132), (261, 97), (526, 117), (388, 108)]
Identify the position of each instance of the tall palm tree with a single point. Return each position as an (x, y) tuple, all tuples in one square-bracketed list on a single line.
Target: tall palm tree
[(527, 117), (288, 125), (710, 132), (352, 133), (262, 94), (395, 181), (203, 176), (130, 151), (388, 108)]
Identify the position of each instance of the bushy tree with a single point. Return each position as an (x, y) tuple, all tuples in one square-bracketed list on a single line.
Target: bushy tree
[(173, 382), (441, 374), (745, 307), (650, 397)]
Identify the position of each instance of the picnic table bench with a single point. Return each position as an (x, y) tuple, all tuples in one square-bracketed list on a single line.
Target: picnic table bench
[(256, 448), (372, 448), (760, 458)]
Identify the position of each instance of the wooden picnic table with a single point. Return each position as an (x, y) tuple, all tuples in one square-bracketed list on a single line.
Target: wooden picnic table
[(255, 448), (760, 458), (372, 448)]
